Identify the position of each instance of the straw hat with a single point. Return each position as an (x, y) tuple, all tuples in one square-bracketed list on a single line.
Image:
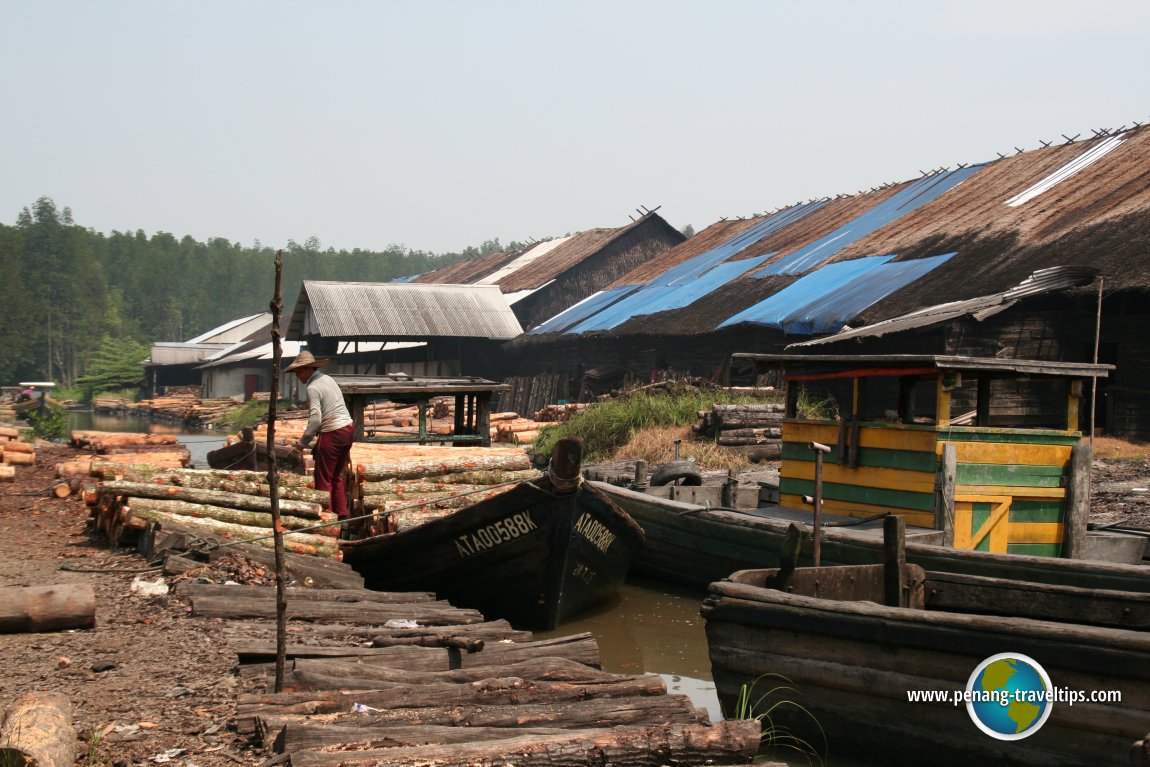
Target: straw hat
[(305, 360)]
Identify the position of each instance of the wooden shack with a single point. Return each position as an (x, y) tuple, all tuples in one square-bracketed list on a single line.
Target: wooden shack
[(986, 450)]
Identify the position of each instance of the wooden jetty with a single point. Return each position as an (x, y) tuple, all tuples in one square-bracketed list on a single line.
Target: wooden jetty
[(398, 678)]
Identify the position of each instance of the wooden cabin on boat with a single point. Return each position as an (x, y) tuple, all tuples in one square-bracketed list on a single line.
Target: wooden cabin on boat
[(989, 451)]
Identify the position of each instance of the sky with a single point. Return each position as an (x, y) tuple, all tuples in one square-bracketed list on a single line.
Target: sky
[(439, 124)]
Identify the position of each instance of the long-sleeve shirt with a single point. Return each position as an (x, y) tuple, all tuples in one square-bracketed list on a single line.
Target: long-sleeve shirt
[(325, 401)]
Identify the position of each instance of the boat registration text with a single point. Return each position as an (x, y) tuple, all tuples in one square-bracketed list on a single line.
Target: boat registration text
[(492, 535)]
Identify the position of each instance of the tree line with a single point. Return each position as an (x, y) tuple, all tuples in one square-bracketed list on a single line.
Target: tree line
[(72, 297)]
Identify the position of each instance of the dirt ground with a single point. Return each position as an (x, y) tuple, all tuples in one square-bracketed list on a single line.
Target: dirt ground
[(152, 685)]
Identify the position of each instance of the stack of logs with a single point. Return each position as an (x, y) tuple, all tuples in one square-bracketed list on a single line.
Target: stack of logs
[(416, 484), (756, 428), (402, 679), (14, 453), (396, 486), (111, 452)]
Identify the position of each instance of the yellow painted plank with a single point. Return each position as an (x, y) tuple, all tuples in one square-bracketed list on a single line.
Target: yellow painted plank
[(999, 537), (1036, 532), (963, 522), (1013, 492), (890, 437), (1009, 453), (889, 479), (860, 510)]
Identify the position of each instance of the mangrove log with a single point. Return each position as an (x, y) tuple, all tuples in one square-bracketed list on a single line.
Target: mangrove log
[(436, 467), (37, 731), (430, 613), (213, 499), (32, 609)]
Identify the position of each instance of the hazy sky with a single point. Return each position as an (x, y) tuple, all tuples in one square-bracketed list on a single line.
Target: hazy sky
[(439, 124)]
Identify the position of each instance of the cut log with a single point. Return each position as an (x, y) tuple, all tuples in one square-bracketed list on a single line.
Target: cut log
[(37, 731), (426, 636), (430, 468), (19, 447), (576, 714), (208, 502), (724, 742), (298, 737), (429, 613), (578, 648), (10, 432), (7, 473), (32, 609), (489, 692), (347, 596), (19, 459), (308, 571), (302, 543), (78, 467)]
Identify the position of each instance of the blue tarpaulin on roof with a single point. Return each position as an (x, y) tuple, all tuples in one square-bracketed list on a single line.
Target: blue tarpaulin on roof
[(914, 196), (662, 297), (582, 310), (823, 301), (680, 285)]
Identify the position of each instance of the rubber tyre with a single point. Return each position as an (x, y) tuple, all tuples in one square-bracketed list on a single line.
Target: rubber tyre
[(674, 471)]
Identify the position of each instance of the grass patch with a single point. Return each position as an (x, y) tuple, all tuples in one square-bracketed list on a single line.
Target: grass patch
[(1115, 449), (657, 446), (613, 423), (762, 706)]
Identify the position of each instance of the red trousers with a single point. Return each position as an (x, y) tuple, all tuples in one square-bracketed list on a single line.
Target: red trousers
[(331, 452)]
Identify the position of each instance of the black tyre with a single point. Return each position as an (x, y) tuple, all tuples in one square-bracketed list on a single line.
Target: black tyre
[(673, 472)]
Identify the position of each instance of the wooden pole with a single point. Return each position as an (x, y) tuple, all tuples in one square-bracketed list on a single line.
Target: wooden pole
[(816, 545), (276, 307), (894, 561)]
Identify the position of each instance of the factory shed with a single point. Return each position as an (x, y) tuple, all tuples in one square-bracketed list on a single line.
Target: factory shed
[(552, 275), (418, 329), (1021, 237)]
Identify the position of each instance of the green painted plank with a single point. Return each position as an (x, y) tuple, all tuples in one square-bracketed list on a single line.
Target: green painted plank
[(898, 499), (875, 457), (1036, 511), (1035, 549), (1008, 474), (979, 513)]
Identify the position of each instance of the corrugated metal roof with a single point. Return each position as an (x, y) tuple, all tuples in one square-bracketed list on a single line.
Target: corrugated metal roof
[(397, 310), (914, 196), (821, 302), (1042, 281), (231, 332)]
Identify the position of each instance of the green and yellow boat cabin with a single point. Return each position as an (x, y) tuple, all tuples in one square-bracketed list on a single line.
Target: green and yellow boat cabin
[(987, 451)]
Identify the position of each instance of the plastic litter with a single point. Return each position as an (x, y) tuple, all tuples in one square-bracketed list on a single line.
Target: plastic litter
[(362, 708), (401, 623), (146, 588)]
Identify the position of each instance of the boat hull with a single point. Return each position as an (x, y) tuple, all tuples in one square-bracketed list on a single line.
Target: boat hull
[(531, 556), (693, 545), (853, 664)]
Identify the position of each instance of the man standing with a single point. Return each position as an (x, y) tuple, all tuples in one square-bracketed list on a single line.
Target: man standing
[(331, 423)]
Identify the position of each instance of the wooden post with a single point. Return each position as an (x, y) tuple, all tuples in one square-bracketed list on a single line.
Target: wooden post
[(273, 482), (894, 561), (641, 468), (1077, 502), (944, 493), (817, 523)]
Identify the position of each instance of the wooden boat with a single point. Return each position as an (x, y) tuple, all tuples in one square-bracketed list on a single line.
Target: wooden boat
[(853, 664), (35, 400), (982, 458), (536, 555), (695, 545)]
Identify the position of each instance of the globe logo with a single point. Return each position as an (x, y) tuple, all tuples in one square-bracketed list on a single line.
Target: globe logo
[(1009, 696)]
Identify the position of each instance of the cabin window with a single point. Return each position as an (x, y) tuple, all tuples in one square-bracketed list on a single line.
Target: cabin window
[(827, 400)]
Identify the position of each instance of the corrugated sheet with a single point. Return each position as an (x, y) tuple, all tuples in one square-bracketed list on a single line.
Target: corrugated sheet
[(1083, 161), (824, 300), (1049, 280), (914, 196), (584, 309), (391, 310), (234, 331), (526, 259)]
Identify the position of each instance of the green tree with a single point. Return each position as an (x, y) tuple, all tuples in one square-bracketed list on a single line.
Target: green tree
[(117, 364)]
